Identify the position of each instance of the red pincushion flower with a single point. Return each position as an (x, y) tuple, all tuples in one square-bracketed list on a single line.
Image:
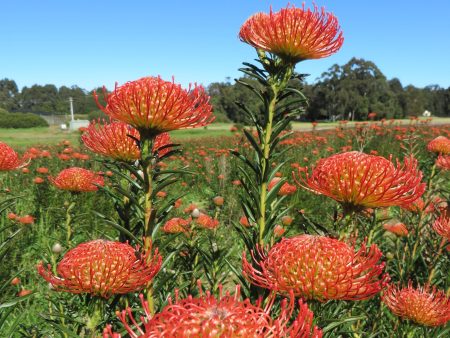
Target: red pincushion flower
[(176, 225), (316, 267), (118, 140), (443, 162), (153, 105), (206, 222), (227, 316), (398, 229), (359, 181), (285, 189), (424, 305), (77, 180), (9, 159), (294, 34), (439, 145), (442, 225), (103, 268)]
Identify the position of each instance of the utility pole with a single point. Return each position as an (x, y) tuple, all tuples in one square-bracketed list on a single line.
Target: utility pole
[(71, 107)]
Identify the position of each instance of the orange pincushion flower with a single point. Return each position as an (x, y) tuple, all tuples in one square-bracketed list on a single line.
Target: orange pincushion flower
[(176, 225), (294, 34), (285, 189), (317, 267), (103, 268), (153, 105), (225, 316), (77, 180), (424, 305), (9, 159), (359, 181), (442, 225), (116, 140), (206, 222), (398, 229), (439, 145), (119, 140), (443, 162)]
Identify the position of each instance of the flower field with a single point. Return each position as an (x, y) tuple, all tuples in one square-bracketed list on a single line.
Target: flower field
[(258, 232)]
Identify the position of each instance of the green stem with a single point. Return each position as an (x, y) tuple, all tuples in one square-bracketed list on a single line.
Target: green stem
[(68, 222), (147, 171), (265, 166)]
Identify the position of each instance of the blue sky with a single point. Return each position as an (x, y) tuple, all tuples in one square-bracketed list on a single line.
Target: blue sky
[(94, 43)]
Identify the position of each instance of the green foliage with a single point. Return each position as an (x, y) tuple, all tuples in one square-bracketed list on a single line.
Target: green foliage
[(21, 120)]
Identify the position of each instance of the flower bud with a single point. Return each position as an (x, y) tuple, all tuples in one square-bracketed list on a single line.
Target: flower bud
[(195, 213), (218, 201), (56, 248)]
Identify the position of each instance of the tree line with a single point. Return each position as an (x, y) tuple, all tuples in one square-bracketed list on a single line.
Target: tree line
[(350, 92)]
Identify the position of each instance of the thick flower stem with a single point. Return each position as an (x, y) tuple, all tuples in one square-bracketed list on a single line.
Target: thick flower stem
[(147, 172), (69, 222), (265, 165)]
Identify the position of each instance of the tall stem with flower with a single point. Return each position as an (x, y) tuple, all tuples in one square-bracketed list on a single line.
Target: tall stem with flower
[(281, 40)]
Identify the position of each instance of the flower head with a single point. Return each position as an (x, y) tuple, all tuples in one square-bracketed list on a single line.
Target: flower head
[(294, 34), (153, 105), (176, 225), (103, 268), (316, 267), (439, 145), (424, 305), (77, 180), (206, 222), (398, 229), (9, 159), (359, 181), (116, 140), (442, 225), (225, 316), (443, 162)]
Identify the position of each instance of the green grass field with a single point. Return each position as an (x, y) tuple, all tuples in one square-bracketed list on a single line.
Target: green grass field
[(45, 136)]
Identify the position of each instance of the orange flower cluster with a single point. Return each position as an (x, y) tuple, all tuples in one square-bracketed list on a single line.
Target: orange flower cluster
[(77, 180), (176, 225), (294, 34), (116, 140), (153, 106), (9, 159), (423, 305), (442, 225), (359, 181), (398, 229), (443, 162), (439, 145), (103, 268), (227, 316), (119, 141), (317, 267)]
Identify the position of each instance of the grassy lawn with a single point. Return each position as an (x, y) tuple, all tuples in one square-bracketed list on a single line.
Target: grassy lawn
[(21, 138)]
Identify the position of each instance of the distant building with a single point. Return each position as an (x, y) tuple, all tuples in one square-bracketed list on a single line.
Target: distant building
[(426, 113)]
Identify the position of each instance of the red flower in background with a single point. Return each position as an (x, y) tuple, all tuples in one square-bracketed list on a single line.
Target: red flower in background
[(423, 305), (225, 316), (359, 181), (294, 34), (398, 229), (439, 145), (176, 225), (442, 225), (77, 180), (317, 267), (103, 268), (443, 162), (9, 159), (153, 105), (206, 222)]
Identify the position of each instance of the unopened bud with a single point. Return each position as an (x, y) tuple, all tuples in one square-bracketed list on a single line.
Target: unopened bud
[(195, 213), (57, 248)]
